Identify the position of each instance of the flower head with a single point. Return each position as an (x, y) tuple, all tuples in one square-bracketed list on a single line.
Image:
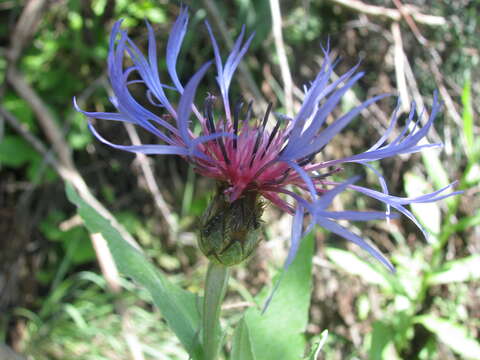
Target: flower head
[(270, 157)]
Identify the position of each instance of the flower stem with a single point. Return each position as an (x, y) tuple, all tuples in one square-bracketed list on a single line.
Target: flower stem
[(215, 288)]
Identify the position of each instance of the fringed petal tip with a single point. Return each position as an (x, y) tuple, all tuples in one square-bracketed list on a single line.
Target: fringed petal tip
[(174, 44), (75, 104), (147, 149)]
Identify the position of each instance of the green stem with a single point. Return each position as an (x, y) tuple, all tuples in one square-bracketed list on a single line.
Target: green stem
[(215, 288)]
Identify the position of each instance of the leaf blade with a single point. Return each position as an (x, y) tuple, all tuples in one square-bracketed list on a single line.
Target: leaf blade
[(292, 301), (451, 334), (179, 307)]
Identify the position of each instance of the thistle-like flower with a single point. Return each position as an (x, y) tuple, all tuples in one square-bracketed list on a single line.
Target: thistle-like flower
[(248, 159)]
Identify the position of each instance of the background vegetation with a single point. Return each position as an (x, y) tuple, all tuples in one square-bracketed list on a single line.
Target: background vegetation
[(54, 301)]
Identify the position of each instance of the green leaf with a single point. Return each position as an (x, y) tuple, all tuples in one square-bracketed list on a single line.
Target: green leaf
[(435, 169), (427, 213), (242, 343), (459, 270), (21, 110), (382, 346), (436, 172), (278, 333), (317, 347), (179, 307), (77, 246), (353, 265), (37, 172), (472, 172), (15, 152), (467, 117), (451, 334)]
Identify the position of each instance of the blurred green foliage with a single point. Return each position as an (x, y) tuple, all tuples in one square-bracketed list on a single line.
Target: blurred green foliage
[(427, 310)]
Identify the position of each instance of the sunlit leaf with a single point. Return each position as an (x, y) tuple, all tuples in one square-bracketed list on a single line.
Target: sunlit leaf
[(278, 333), (179, 307), (15, 152), (467, 117), (453, 335), (242, 343), (318, 345), (353, 265), (466, 269), (435, 169), (382, 346), (427, 213)]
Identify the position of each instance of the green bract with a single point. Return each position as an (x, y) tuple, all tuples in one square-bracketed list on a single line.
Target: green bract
[(229, 231)]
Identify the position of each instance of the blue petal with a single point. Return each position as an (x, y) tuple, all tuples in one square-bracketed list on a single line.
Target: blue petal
[(101, 115), (386, 134), (341, 231), (382, 181), (148, 70), (296, 236), (306, 179), (326, 199), (355, 215), (398, 202), (128, 107), (430, 197), (225, 74), (235, 57), (174, 44), (144, 149), (216, 51), (186, 101), (312, 97), (325, 136), (325, 110)]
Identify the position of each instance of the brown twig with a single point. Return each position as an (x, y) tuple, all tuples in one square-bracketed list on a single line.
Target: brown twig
[(69, 175), (25, 27), (406, 80), (410, 21), (61, 161), (411, 16), (237, 305), (434, 63), (391, 14), (148, 174), (44, 116), (282, 56), (151, 182)]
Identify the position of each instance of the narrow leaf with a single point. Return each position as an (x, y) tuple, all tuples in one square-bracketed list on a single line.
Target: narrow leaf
[(453, 335), (179, 307), (459, 270), (242, 344), (278, 332), (352, 264), (382, 346), (467, 117), (427, 213), (317, 347)]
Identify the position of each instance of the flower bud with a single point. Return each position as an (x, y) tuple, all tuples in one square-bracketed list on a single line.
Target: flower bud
[(230, 231)]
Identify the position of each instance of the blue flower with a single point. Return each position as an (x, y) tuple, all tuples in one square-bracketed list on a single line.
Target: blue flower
[(241, 153)]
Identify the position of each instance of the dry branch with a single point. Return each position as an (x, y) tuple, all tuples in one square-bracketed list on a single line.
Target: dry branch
[(392, 14), (282, 56), (61, 161)]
